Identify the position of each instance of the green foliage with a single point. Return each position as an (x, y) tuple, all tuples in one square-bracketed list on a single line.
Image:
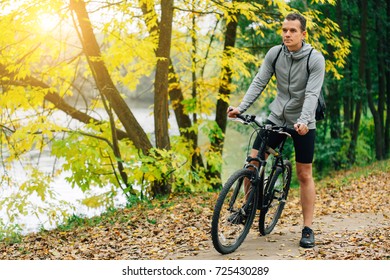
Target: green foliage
[(332, 154), (75, 221), (329, 152), (72, 222), (86, 157), (173, 167), (33, 197), (10, 233), (365, 149)]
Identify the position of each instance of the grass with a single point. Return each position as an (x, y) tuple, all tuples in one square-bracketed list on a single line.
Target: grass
[(345, 177), (10, 234), (75, 221)]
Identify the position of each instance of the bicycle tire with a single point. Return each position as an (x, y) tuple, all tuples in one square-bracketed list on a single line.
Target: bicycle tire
[(279, 187), (227, 235)]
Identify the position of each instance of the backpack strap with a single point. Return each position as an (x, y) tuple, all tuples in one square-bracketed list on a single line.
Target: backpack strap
[(307, 65), (321, 105), (276, 58)]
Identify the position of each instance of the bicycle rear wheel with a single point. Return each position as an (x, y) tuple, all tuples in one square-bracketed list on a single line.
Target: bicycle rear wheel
[(276, 193), (233, 215)]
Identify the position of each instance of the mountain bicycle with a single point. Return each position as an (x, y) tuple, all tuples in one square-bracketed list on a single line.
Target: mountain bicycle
[(254, 187)]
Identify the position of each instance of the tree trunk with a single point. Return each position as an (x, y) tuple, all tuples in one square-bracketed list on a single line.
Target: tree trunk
[(334, 94), (195, 159), (379, 114), (387, 73), (175, 93), (348, 92), (377, 119), (362, 65), (223, 96), (103, 80), (109, 91), (183, 120), (161, 111)]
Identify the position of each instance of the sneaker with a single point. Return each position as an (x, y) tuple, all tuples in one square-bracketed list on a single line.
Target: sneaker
[(307, 240)]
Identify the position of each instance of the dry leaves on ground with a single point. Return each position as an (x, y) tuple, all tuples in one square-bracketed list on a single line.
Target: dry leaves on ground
[(180, 226), (142, 232), (373, 244)]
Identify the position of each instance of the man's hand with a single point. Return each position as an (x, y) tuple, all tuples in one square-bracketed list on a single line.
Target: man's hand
[(232, 112), (301, 128)]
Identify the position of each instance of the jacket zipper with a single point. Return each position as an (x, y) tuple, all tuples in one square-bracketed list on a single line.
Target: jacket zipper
[(289, 93)]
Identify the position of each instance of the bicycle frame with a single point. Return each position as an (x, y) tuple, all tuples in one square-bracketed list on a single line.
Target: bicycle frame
[(265, 192), (248, 190), (261, 158)]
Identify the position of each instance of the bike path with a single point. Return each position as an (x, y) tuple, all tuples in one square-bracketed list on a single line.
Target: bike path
[(282, 243)]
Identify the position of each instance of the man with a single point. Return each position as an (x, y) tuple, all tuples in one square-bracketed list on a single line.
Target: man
[(295, 104)]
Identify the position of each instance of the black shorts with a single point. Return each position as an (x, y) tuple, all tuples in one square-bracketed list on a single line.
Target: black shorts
[(303, 144)]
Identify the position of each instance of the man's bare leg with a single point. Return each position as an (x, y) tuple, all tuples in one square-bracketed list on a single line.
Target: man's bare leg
[(252, 154), (308, 195)]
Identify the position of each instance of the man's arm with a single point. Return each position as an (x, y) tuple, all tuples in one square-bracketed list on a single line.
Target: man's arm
[(260, 81), (313, 88)]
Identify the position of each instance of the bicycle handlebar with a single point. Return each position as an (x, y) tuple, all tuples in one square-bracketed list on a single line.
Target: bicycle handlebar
[(248, 119)]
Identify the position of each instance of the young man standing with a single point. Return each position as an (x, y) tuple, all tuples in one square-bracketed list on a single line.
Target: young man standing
[(294, 105)]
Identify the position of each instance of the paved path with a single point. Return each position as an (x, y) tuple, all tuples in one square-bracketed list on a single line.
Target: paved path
[(282, 243)]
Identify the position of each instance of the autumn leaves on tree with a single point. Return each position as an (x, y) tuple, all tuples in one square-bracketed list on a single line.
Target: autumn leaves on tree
[(91, 55)]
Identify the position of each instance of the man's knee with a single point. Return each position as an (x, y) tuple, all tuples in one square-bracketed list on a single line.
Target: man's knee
[(304, 173), (304, 177)]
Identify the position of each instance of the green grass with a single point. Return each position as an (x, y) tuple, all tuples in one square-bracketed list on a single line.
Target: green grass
[(10, 234), (356, 172), (75, 221)]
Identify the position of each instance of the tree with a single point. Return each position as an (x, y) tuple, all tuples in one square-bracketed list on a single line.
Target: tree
[(161, 81), (362, 64), (87, 63), (387, 74), (377, 111), (224, 88)]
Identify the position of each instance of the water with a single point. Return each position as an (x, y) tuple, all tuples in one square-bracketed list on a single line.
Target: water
[(66, 197), (69, 198)]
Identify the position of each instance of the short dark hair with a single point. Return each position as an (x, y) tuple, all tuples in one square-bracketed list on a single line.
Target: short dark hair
[(296, 16)]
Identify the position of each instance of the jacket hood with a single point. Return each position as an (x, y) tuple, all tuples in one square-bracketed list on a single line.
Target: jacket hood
[(303, 52)]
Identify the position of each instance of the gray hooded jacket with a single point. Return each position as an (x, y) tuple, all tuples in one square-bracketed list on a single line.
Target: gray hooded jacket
[(297, 91)]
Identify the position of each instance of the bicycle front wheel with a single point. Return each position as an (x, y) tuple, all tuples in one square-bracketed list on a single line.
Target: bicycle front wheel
[(276, 193), (234, 212)]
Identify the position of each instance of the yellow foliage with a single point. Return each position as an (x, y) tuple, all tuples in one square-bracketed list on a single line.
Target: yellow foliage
[(38, 41), (98, 201)]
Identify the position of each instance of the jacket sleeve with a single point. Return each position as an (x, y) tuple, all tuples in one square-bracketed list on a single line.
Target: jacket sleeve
[(313, 88), (260, 81)]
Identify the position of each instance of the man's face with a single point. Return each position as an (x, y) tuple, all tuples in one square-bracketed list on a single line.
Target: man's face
[(292, 34)]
